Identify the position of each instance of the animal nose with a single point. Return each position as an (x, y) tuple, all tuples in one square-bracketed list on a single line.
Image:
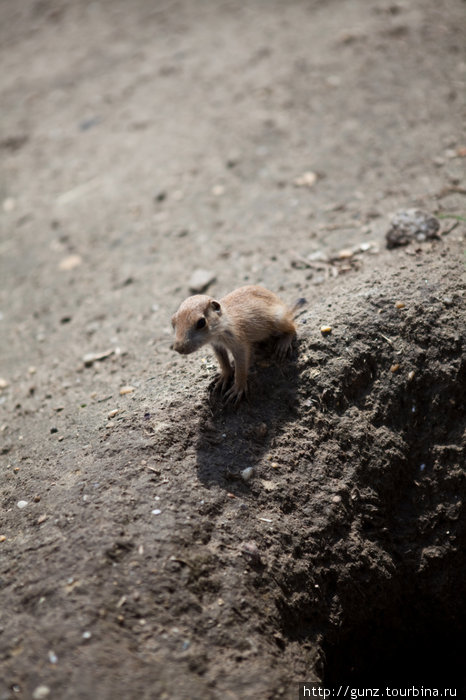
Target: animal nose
[(178, 347)]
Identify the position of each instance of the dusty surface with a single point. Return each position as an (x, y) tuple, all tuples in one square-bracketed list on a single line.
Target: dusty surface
[(138, 143)]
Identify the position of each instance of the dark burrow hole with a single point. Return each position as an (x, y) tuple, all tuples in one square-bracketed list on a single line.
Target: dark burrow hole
[(421, 650)]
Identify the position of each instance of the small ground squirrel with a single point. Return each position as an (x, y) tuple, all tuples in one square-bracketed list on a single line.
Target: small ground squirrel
[(246, 316)]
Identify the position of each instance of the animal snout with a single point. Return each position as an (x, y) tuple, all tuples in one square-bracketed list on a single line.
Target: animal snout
[(180, 347)]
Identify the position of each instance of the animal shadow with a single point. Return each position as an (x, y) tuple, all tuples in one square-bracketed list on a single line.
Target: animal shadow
[(232, 439)]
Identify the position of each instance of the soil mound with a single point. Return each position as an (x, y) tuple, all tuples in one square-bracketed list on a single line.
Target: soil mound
[(337, 555)]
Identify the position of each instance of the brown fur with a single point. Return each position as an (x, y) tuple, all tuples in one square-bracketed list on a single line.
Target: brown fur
[(246, 316)]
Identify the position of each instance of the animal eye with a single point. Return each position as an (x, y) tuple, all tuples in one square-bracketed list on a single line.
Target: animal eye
[(201, 323)]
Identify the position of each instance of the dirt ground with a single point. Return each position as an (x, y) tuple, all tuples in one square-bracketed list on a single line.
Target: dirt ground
[(269, 143)]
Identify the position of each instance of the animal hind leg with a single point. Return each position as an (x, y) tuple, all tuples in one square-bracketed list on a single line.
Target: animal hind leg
[(285, 339), (284, 345)]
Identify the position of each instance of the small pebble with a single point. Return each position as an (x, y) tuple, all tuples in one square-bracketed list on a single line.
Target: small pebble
[(2, 538), (395, 368), (126, 390), (88, 123), (8, 204), (411, 375), (247, 473), (274, 465), (411, 225), (3, 383), (42, 691), (251, 550), (218, 190), (156, 511), (53, 658), (345, 254), (318, 255), (112, 414), (400, 305), (70, 262), (325, 330), (87, 635), (333, 80), (92, 357), (367, 245), (200, 280), (336, 499), (307, 179), (41, 519), (22, 504)]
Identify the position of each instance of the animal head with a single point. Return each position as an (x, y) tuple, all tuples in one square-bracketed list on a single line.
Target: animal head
[(195, 322)]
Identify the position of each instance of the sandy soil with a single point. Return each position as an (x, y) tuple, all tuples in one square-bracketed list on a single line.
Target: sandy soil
[(268, 143)]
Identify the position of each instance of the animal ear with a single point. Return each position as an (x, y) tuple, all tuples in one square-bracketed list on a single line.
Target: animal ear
[(215, 305)]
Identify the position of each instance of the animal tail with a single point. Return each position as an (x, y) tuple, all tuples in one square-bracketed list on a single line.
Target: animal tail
[(299, 303)]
